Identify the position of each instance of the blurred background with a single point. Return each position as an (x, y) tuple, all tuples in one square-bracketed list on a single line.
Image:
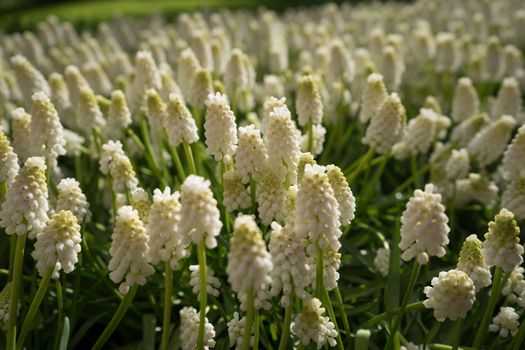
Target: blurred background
[(16, 15)]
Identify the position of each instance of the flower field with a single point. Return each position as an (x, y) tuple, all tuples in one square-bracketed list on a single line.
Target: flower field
[(339, 176)]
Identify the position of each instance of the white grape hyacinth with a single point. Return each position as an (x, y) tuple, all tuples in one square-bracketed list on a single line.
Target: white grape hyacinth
[(472, 262), (165, 240), (119, 116), (8, 160), (508, 101), (506, 322), (311, 325), (308, 102), (476, 187), (189, 325), (458, 164), (318, 137), (270, 195), (249, 263), (374, 95), (291, 271), (466, 101), (343, 194), (129, 250), (116, 163), (236, 331), (514, 157), (497, 134), (47, 138), (26, 206), (502, 247), (220, 127), (386, 125), (451, 295), (21, 134), (513, 197), (58, 245), (251, 154), (235, 195), (514, 288), (213, 284), (424, 226), (200, 217), (70, 197), (179, 123), (382, 261)]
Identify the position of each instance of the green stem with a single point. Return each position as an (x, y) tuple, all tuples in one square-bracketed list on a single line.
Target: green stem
[(60, 312), (117, 317), (33, 309), (363, 164), (411, 179), (202, 293), (178, 163), (189, 157), (381, 317), (253, 195), (256, 321), (249, 320), (457, 333), (342, 310), (225, 211), (15, 291), (487, 316), (413, 166), (168, 288), (518, 339), (319, 269), (12, 248), (3, 191), (310, 130), (286, 323), (411, 283), (328, 303)]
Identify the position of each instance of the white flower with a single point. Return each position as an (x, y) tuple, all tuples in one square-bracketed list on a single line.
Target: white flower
[(514, 288), (458, 164), (212, 283), (21, 133), (187, 66), (155, 111), (74, 143), (47, 138), (514, 157), (424, 229), (343, 194), (165, 240), (291, 271), (308, 102), (374, 95), (251, 154), (476, 188), (201, 88), (189, 330), (290, 199), (318, 137), (88, 113), (513, 197), (493, 59), (147, 76), (282, 141), (466, 101), (463, 133), (506, 321), (508, 101), (451, 295), (236, 331), (235, 195), (179, 123), (387, 125), (497, 134), (58, 245), (119, 116), (75, 82), (472, 262), (391, 67), (249, 263), (382, 261), (8, 160), (311, 325), (220, 127), (129, 250), (502, 246), (25, 208), (200, 218), (60, 95), (70, 197), (29, 79), (116, 163), (448, 56), (5, 296)]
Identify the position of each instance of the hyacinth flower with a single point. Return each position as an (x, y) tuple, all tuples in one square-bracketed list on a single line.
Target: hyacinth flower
[(199, 224), (503, 250), (309, 107), (249, 267), (9, 165), (24, 214), (424, 233), (56, 248)]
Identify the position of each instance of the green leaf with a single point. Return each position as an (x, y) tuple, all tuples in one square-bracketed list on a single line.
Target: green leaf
[(64, 338)]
